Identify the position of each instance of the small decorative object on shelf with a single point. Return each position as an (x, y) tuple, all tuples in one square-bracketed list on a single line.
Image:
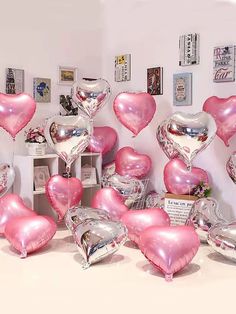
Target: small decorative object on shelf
[(88, 175), (41, 176), (35, 141), (202, 190)]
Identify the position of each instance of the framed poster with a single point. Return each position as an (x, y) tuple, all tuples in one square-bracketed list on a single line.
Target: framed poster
[(178, 207), (41, 176), (123, 68), (42, 90), (155, 81), (67, 75), (15, 80), (67, 106), (224, 64), (182, 89), (189, 47)]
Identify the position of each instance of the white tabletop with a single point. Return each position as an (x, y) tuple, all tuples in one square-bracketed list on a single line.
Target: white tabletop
[(52, 281)]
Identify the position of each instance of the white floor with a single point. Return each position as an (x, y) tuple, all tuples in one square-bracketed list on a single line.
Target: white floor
[(52, 281)]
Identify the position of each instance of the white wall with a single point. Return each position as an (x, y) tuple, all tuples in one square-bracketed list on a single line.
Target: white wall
[(149, 30), (38, 36)]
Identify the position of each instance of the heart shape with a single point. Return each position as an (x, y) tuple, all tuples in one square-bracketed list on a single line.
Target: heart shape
[(76, 215), (203, 215), (103, 140), (91, 95), (169, 248), (134, 110), (179, 180), (7, 177), (222, 238), (231, 167), (68, 136), (111, 201), (165, 144), (12, 206), (223, 110), (15, 112), (132, 164), (190, 133), (28, 234), (136, 221), (98, 239), (63, 193)]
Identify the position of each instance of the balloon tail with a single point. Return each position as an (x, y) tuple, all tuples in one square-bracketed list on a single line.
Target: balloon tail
[(23, 254), (85, 265), (68, 170), (169, 277)]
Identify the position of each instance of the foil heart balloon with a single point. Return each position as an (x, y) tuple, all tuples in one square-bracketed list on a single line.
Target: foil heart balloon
[(137, 221), (7, 177), (12, 206), (203, 215), (90, 95), (15, 112), (103, 140), (190, 133), (155, 199), (76, 215), (63, 193), (231, 167), (108, 170), (28, 234), (170, 249), (166, 145), (179, 180), (132, 164), (111, 201), (98, 239), (222, 238), (134, 110), (223, 110), (68, 136)]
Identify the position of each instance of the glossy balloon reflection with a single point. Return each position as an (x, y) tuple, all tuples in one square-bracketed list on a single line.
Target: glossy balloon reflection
[(169, 248), (7, 177), (231, 167), (103, 140), (76, 215), (166, 145), (98, 239), (108, 170), (68, 136), (90, 95), (190, 133), (28, 234)]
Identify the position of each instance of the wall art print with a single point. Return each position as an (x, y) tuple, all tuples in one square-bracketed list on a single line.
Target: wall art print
[(14, 81), (42, 90), (182, 89)]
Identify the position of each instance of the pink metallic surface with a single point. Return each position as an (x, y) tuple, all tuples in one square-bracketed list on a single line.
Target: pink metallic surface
[(103, 140)]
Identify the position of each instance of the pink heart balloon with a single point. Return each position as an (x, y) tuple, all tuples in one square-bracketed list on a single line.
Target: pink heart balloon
[(63, 193), (130, 163), (15, 112), (169, 248), (134, 110), (28, 234), (12, 206), (103, 140), (111, 201), (223, 110), (179, 180), (137, 221)]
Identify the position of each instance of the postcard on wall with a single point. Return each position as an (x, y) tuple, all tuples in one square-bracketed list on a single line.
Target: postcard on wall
[(189, 48), (182, 89), (14, 81), (42, 90), (155, 81), (224, 64), (67, 108), (123, 68)]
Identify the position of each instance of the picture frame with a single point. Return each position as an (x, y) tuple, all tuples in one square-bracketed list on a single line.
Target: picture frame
[(155, 81), (182, 89), (67, 107), (67, 75), (41, 176), (15, 81), (88, 175), (189, 49), (122, 71), (224, 64), (42, 90)]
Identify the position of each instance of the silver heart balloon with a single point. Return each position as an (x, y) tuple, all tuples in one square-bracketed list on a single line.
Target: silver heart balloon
[(222, 238), (154, 199), (203, 215), (76, 215), (231, 167), (7, 177), (190, 133), (90, 95), (165, 144), (68, 136), (97, 239)]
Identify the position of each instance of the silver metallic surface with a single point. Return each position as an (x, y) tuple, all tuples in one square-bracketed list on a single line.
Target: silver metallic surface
[(165, 144), (7, 177), (231, 167)]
